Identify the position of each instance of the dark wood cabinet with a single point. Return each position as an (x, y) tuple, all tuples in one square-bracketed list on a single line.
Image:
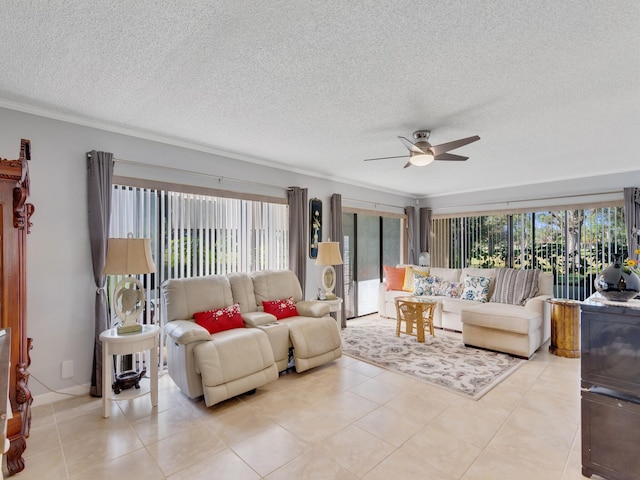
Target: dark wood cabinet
[(15, 213), (610, 384)]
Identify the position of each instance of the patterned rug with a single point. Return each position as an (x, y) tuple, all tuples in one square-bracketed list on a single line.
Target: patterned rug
[(443, 361)]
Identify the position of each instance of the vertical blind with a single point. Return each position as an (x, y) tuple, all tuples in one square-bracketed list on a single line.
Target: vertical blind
[(575, 245), (194, 235)]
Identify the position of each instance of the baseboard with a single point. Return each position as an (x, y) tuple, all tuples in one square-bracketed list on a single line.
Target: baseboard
[(51, 397)]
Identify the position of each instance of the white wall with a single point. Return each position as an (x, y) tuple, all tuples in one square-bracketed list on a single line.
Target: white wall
[(60, 280)]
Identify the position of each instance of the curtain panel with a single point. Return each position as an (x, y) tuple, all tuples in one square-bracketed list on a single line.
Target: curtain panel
[(297, 198), (338, 236), (425, 229), (410, 212), (99, 176), (632, 219)]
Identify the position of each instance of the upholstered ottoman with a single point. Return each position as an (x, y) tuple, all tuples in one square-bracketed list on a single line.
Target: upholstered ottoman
[(502, 327), (315, 341), (234, 362)]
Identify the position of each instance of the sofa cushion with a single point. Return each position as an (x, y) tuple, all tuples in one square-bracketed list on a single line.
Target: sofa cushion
[(275, 284), (476, 288), (242, 290), (448, 274), (456, 305), (409, 277), (220, 319), (394, 277), (186, 296), (232, 355), (283, 308), (502, 316), (391, 295), (515, 286)]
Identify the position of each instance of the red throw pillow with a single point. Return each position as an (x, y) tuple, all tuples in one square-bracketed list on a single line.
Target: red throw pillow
[(394, 276), (221, 319), (281, 308)]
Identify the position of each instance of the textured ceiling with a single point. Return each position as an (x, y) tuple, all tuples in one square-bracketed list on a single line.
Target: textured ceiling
[(551, 87)]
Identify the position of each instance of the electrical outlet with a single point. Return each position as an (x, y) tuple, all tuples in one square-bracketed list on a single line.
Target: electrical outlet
[(67, 369)]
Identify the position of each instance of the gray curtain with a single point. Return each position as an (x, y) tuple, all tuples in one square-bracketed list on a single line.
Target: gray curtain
[(338, 236), (298, 234), (632, 218), (99, 175), (410, 212), (425, 229)]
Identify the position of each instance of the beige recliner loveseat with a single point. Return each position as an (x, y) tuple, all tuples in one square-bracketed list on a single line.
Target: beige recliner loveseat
[(231, 362)]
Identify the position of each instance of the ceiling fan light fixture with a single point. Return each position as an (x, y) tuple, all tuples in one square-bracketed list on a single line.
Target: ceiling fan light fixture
[(421, 159)]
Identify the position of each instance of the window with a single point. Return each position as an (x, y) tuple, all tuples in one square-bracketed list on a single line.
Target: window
[(193, 235), (574, 244)]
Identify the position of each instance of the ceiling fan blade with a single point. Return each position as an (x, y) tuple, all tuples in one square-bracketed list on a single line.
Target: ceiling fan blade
[(382, 158), (445, 147), (412, 148), (408, 164), (451, 157)]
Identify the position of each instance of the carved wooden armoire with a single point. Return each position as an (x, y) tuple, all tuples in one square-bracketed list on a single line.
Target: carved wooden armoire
[(15, 213)]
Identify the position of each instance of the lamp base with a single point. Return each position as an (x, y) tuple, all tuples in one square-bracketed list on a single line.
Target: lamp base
[(129, 328)]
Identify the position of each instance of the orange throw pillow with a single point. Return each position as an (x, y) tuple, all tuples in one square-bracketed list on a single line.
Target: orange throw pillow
[(394, 276)]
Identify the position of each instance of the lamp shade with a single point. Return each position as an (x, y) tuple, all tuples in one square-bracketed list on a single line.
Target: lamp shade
[(128, 256), (329, 254)]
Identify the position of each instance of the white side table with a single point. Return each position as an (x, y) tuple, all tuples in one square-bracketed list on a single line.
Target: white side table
[(335, 305), (114, 344)]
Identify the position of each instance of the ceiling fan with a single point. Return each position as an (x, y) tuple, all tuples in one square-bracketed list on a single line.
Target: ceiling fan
[(422, 153)]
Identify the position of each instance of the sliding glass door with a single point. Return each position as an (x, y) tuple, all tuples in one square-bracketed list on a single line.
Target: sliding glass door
[(370, 241)]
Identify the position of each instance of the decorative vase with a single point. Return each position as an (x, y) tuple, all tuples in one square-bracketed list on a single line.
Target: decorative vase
[(616, 282)]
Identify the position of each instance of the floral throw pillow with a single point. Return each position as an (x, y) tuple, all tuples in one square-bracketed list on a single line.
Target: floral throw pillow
[(221, 319), (451, 289), (424, 285), (476, 288), (281, 308)]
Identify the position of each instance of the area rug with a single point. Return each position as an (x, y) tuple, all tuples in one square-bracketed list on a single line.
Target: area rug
[(442, 360)]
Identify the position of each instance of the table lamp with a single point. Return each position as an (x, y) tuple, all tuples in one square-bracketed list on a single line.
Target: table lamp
[(128, 256), (329, 255)]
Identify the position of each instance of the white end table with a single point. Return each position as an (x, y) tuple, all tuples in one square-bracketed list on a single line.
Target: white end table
[(129, 343), (335, 305)]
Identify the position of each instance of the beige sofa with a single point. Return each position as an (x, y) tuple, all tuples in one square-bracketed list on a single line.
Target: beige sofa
[(514, 329), (225, 364)]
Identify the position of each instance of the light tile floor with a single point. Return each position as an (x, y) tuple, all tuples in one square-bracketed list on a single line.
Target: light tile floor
[(345, 420)]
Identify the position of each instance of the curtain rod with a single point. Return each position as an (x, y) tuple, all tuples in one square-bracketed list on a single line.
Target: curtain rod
[(509, 202), (375, 204), (220, 178)]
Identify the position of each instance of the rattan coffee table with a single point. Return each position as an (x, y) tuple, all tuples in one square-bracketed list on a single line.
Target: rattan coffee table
[(415, 312)]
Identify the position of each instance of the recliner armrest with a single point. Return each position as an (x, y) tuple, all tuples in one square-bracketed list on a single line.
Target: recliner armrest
[(312, 308), (186, 331), (255, 319)]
